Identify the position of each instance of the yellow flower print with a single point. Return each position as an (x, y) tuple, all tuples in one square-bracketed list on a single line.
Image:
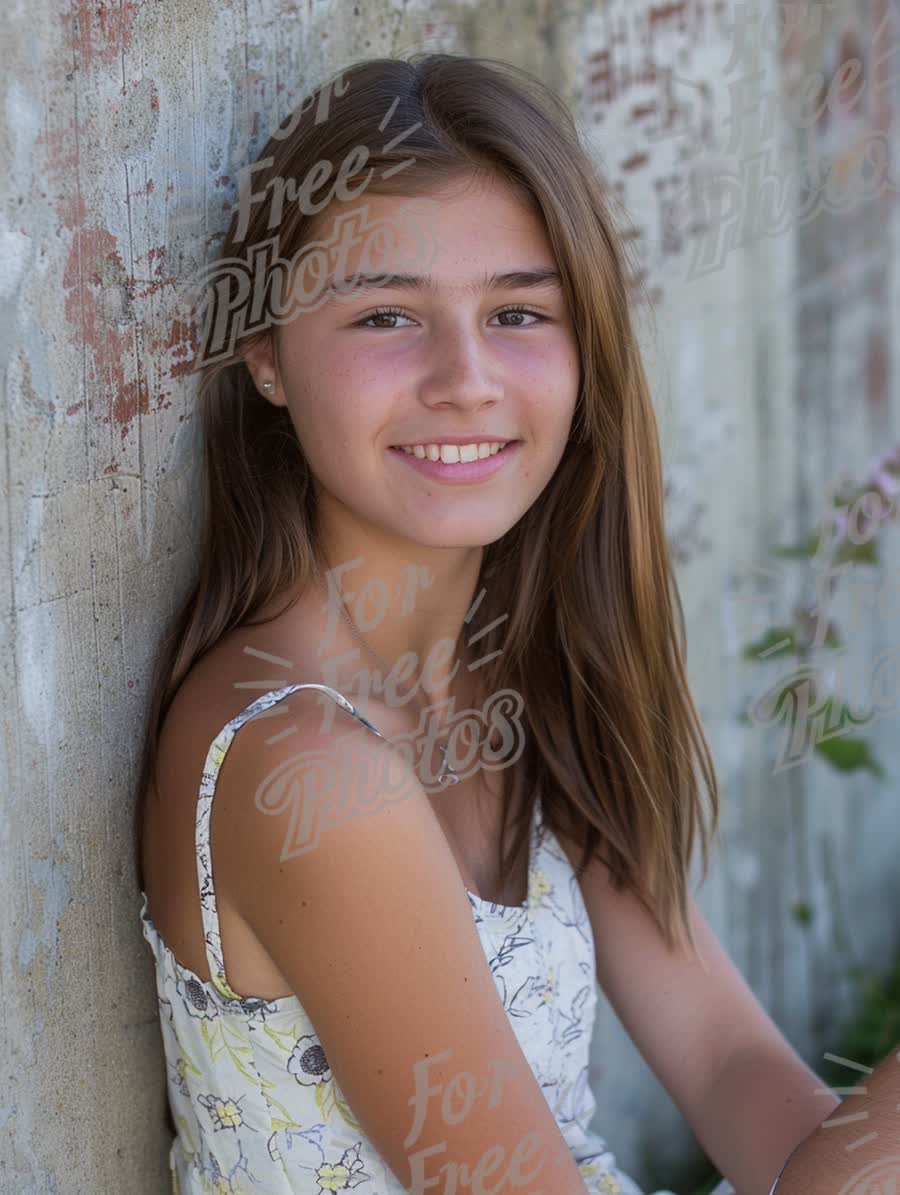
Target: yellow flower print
[(225, 1113), (332, 1178), (221, 985), (223, 1186), (606, 1183), (229, 1114), (538, 889), (549, 993)]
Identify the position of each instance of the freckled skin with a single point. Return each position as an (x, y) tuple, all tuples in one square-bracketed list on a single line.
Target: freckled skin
[(455, 361), (452, 363)]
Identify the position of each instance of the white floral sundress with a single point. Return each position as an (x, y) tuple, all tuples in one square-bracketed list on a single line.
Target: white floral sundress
[(256, 1106)]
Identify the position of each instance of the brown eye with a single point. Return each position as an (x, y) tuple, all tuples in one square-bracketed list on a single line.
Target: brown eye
[(396, 312), (381, 312), (521, 311)]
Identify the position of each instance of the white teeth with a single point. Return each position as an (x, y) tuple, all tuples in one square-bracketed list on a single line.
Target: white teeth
[(451, 454)]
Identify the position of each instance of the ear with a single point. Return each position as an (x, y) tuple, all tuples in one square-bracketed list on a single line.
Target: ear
[(259, 357)]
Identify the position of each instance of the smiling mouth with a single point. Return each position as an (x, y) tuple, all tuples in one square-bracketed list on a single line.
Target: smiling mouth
[(451, 454)]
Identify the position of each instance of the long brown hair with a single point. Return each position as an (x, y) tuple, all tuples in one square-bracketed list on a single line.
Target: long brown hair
[(594, 638)]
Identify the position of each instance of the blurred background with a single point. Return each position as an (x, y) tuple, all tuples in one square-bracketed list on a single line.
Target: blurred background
[(751, 153)]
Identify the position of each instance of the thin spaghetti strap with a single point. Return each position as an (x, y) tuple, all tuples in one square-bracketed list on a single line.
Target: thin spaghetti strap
[(214, 759)]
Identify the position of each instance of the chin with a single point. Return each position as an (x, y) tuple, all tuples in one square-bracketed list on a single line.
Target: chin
[(469, 537)]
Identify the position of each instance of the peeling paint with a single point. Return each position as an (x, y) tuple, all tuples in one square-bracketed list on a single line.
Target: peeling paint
[(100, 33)]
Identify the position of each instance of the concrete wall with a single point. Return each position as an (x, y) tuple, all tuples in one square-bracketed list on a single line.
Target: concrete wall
[(774, 366), (775, 370)]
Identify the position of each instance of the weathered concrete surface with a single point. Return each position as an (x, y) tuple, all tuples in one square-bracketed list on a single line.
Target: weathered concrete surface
[(775, 369)]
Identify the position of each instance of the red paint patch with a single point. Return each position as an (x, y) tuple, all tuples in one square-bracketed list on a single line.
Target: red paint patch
[(104, 30), (93, 265), (140, 192), (182, 343), (59, 155)]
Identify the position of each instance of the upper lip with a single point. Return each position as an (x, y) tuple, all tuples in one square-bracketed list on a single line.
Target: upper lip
[(478, 438)]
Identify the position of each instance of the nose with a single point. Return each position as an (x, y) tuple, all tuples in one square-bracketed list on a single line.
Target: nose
[(461, 371)]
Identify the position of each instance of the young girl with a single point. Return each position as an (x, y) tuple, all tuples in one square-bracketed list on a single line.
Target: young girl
[(432, 675)]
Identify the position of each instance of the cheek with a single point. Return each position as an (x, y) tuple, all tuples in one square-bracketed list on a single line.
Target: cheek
[(336, 432), (551, 402), (555, 366), (336, 402), (564, 383)]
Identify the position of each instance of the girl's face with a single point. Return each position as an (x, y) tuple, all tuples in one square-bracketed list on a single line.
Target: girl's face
[(450, 361)]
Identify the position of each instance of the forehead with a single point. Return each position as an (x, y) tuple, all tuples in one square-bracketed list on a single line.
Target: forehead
[(475, 225)]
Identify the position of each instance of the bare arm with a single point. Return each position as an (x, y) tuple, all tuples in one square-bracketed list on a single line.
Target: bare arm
[(747, 1095), (856, 1149), (372, 930), (765, 1101)]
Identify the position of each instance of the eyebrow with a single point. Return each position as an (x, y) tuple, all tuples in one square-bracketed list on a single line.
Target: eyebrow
[(511, 279)]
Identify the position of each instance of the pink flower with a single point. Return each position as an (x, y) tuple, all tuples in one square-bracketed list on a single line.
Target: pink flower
[(887, 483)]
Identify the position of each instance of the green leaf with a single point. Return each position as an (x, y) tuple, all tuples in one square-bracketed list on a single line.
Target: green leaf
[(866, 553), (802, 913), (286, 1121), (190, 1148), (345, 1112), (849, 755), (807, 629), (776, 642), (801, 551), (847, 496)]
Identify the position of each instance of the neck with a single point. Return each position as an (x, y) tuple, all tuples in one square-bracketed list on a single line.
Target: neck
[(409, 617)]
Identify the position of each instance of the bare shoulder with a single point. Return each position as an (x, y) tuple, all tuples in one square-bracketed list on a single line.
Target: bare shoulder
[(244, 664), (339, 865), (219, 686), (210, 695), (305, 793)]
